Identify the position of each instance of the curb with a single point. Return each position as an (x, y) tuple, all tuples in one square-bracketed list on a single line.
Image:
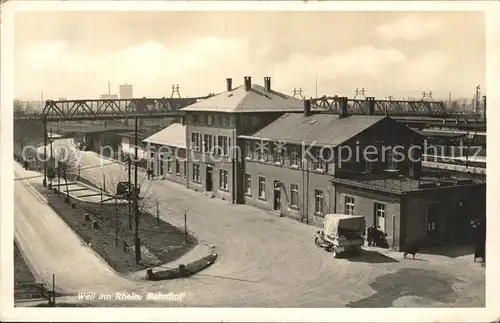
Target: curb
[(31, 188), (183, 270)]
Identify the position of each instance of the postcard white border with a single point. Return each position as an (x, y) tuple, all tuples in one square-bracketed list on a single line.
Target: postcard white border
[(9, 313)]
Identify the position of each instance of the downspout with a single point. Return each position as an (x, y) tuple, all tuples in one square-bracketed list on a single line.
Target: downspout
[(334, 198), (237, 155), (307, 197), (304, 212), (233, 179), (233, 164), (188, 150), (393, 230)]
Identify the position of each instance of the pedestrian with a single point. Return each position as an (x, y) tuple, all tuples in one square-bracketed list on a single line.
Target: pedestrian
[(370, 235), (149, 173)]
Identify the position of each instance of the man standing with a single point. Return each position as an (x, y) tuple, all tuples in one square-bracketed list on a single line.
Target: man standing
[(370, 235)]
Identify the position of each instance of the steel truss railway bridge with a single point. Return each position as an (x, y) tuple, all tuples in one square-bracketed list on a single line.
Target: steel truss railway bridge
[(108, 109), (418, 114)]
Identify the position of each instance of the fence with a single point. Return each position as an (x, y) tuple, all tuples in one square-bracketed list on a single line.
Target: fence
[(35, 291)]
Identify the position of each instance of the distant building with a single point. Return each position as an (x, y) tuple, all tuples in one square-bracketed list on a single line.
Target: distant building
[(63, 99), (108, 96), (126, 91)]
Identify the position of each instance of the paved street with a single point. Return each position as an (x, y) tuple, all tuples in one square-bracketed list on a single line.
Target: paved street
[(264, 260)]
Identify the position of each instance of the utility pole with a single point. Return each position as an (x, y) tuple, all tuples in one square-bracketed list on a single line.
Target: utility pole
[(478, 101), (185, 226), (129, 197), (50, 140), (136, 205), (484, 108), (157, 213), (359, 92), (316, 84), (53, 289), (45, 152), (175, 89), (116, 221)]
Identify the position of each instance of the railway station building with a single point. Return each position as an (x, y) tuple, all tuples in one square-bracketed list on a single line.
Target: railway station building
[(213, 126), (406, 201), (253, 145)]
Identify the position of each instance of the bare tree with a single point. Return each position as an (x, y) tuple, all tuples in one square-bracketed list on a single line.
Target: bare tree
[(140, 193), (18, 106), (66, 163)]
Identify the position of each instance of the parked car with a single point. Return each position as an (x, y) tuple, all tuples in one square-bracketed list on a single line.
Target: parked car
[(122, 190)]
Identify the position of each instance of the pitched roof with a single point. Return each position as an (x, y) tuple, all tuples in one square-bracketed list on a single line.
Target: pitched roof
[(320, 129), (173, 135), (257, 99)]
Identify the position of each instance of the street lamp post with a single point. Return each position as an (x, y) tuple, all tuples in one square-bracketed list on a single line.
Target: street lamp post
[(136, 205)]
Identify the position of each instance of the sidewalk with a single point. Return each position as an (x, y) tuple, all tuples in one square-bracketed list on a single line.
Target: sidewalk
[(52, 247)]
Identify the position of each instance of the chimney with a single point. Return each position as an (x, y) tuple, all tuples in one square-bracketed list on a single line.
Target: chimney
[(229, 84), (307, 108), (248, 83), (343, 107), (267, 83), (109, 87), (371, 105)]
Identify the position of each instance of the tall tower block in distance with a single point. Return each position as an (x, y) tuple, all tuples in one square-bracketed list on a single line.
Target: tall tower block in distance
[(126, 91)]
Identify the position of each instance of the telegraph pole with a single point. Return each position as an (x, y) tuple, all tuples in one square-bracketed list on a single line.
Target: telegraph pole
[(129, 162), (136, 205), (50, 140), (45, 152), (116, 221)]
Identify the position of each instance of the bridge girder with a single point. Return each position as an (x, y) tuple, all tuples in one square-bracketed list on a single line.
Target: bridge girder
[(331, 104), (115, 108)]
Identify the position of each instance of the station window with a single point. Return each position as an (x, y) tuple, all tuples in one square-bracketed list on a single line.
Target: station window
[(248, 150), (262, 187), (294, 157), (169, 164), (379, 210), (223, 179), (318, 202), (177, 167), (349, 205), (248, 184), (196, 173)]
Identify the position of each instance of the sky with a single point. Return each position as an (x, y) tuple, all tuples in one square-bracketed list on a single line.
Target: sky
[(399, 54)]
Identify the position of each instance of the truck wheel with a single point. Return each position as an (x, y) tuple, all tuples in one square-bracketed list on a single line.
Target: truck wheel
[(335, 253), (316, 241)]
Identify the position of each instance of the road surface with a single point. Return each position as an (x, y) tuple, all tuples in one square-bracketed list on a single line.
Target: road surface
[(265, 261)]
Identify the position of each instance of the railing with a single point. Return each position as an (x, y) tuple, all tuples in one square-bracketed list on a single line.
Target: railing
[(396, 183)]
